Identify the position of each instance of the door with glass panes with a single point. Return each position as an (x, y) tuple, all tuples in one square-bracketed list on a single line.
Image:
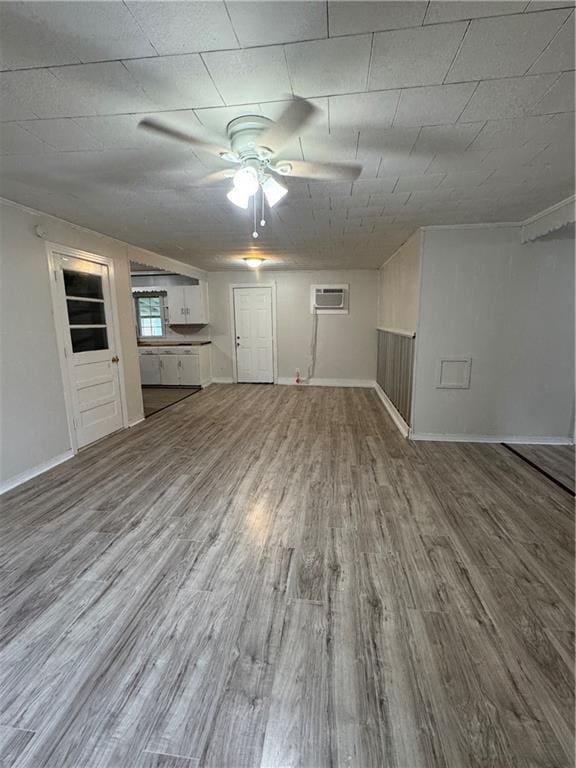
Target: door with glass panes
[(83, 288)]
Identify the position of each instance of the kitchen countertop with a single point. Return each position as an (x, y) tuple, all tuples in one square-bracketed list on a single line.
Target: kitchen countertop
[(190, 348)]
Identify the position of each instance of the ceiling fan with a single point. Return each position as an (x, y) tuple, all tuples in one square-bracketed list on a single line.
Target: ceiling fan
[(253, 143)]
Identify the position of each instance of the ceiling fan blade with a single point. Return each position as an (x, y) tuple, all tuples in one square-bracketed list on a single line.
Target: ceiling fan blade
[(318, 171), (294, 117), (150, 124)]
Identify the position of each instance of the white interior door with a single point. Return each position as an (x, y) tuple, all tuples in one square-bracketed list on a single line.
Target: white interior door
[(86, 325), (254, 337)]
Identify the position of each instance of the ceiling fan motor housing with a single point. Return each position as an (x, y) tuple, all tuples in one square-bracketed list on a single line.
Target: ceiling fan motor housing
[(244, 133)]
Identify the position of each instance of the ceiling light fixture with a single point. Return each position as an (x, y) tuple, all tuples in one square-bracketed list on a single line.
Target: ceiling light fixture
[(246, 180), (254, 261), (238, 197), (273, 190)]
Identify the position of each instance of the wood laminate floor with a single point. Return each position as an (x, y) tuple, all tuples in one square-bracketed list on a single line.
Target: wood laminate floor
[(272, 576), (157, 398), (555, 460)]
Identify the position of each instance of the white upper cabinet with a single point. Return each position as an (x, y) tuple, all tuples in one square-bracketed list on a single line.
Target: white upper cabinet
[(187, 304)]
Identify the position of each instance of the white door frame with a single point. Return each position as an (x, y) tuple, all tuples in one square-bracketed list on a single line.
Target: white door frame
[(52, 251), (272, 287)]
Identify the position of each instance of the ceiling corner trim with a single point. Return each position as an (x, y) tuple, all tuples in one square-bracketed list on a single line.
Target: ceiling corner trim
[(549, 220)]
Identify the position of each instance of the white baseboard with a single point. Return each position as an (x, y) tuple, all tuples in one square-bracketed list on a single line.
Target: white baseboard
[(222, 380), (363, 383), (136, 421), (35, 471), (520, 439), (394, 414)]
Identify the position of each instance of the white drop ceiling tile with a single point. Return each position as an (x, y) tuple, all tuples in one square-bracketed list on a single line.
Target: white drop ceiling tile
[(122, 132), (448, 139), (559, 128), (409, 57), (283, 21), (404, 164), (388, 140), (329, 149), (425, 196), (15, 140), (330, 188), (184, 27), (500, 158), (94, 31), (497, 134), (327, 67), (466, 179), (433, 105), (559, 98), (451, 10), (107, 88), (544, 5), (415, 183), (358, 112), (470, 160), (373, 186), (504, 47), (557, 159), (175, 82), (509, 97), (36, 93), (348, 18), (62, 134), (559, 55), (391, 203), (250, 75), (25, 42), (12, 104)]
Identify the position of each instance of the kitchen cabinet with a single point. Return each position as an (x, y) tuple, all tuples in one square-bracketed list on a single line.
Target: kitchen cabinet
[(187, 304), (189, 370), (170, 369), (150, 369)]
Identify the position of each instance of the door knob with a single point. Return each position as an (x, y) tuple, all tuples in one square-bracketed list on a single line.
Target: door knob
[(115, 359)]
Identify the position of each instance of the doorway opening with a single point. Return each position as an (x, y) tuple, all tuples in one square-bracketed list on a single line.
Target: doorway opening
[(170, 322)]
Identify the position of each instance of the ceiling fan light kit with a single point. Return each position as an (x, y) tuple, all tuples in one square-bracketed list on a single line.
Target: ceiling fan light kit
[(252, 142), (238, 197)]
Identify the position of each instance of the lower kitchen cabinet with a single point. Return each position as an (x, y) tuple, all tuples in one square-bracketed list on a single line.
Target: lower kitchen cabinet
[(170, 370), (189, 370), (173, 370), (150, 370)]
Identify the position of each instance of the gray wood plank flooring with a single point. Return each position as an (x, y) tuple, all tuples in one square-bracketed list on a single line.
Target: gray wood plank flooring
[(268, 577), (556, 460), (157, 398)]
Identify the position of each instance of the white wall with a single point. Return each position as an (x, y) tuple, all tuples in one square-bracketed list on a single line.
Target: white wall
[(33, 420), (399, 292), (510, 307), (346, 347)]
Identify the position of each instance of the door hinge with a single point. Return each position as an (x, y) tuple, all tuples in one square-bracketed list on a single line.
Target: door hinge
[(55, 275), (74, 422), (65, 352)]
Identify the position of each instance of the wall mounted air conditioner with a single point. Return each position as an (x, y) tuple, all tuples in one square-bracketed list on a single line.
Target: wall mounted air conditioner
[(329, 299)]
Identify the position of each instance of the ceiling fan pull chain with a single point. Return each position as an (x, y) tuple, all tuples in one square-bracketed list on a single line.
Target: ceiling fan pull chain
[(255, 232), (262, 220)]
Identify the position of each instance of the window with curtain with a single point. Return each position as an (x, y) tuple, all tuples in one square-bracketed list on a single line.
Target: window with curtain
[(150, 314)]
